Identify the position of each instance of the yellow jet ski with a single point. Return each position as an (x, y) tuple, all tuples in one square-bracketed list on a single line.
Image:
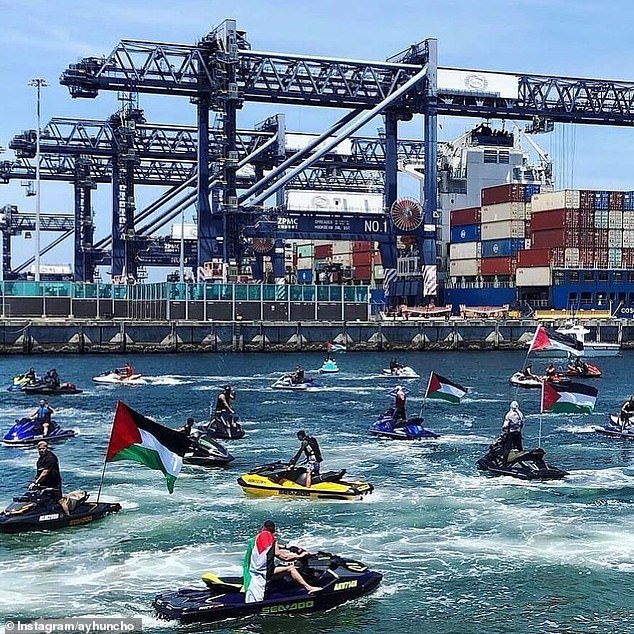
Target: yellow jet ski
[(280, 479)]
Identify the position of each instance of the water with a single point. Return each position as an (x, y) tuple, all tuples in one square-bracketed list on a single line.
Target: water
[(460, 551)]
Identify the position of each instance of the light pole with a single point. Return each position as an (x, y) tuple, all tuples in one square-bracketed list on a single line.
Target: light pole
[(39, 83)]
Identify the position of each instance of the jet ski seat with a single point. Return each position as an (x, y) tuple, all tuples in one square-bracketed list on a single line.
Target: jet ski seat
[(75, 498), (329, 476)]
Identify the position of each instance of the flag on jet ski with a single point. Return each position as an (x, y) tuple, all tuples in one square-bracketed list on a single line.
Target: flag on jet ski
[(545, 339), (135, 437), (254, 568), (442, 388), (570, 398)]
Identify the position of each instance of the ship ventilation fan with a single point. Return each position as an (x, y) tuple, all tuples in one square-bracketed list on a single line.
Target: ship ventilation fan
[(263, 245), (406, 214)]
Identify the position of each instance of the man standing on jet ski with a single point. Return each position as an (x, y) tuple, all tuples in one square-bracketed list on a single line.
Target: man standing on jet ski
[(627, 409), (310, 448), (399, 405), (42, 416), (260, 567), (512, 426), (48, 476), (298, 376)]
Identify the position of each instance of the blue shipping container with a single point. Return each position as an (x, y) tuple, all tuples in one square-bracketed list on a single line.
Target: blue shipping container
[(465, 233), (628, 201), (501, 248), (601, 200), (531, 188), (304, 276)]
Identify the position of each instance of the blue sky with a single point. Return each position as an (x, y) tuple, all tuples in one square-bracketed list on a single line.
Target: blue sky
[(579, 38)]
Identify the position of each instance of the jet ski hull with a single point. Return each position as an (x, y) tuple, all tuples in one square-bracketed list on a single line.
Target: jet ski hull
[(46, 390), (206, 452), (26, 432), (287, 384), (413, 429), (348, 580), (402, 373), (329, 367), (116, 379), (613, 429), (524, 465)]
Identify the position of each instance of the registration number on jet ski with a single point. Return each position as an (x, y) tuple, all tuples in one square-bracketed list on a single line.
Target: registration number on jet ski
[(295, 492), (46, 518), (287, 607)]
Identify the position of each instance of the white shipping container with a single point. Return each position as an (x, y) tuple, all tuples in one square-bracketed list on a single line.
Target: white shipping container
[(305, 263), (564, 199), (533, 276), (189, 231), (628, 220), (628, 238), (464, 250), (615, 238), (503, 229), (460, 268), (571, 257), (379, 273), (341, 246), (615, 219), (334, 201), (342, 258), (503, 211)]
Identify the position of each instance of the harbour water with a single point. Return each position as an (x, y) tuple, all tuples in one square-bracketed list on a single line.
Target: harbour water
[(460, 551)]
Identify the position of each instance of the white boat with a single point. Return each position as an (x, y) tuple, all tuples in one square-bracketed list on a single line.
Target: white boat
[(113, 377), (402, 373), (286, 383), (590, 348)]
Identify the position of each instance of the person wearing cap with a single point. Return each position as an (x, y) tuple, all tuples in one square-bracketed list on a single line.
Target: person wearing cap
[(512, 426), (400, 399), (259, 566), (309, 447), (48, 476), (42, 416)]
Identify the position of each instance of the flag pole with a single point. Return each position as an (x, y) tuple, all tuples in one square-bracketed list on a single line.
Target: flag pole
[(541, 412), (420, 414), (105, 458)]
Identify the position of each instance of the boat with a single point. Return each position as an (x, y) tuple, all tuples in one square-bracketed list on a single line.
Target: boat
[(524, 465), (614, 429), (286, 383), (519, 379), (591, 349), (278, 478), (411, 429), (404, 372), (223, 425), (583, 371), (27, 431), (44, 389), (204, 451), (329, 366), (341, 579), (35, 510), (116, 378)]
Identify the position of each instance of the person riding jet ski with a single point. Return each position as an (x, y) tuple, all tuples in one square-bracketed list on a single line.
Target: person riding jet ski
[(310, 448), (513, 425), (625, 415), (203, 450), (52, 380), (223, 422), (42, 416)]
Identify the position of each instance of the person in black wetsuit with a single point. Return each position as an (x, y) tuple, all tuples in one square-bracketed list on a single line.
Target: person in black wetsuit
[(627, 410), (48, 476), (223, 415), (310, 448)]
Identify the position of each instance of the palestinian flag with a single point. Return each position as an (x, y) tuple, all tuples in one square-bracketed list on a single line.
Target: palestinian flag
[(258, 565), (135, 437), (571, 398), (444, 389), (545, 339)]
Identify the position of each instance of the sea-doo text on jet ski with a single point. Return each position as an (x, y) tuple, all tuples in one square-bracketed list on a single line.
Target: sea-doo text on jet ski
[(27, 431)]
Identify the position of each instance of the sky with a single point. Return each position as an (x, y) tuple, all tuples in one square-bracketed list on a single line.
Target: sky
[(576, 38)]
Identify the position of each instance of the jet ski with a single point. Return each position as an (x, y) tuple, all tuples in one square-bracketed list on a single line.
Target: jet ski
[(114, 377), (519, 379), (342, 580), (585, 371), (206, 452), (614, 429), (26, 431), (404, 372), (280, 479), (223, 425), (35, 510), (19, 382), (48, 390), (286, 383), (411, 429), (329, 366), (525, 465)]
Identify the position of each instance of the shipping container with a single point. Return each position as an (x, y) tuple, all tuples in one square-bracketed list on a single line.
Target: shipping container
[(464, 251), (615, 200), (628, 238), (571, 257), (554, 219), (465, 233), (531, 190), (503, 211), (627, 258), (304, 263), (586, 199), (362, 258), (601, 218), (601, 239), (615, 238), (304, 276), (323, 251), (615, 219), (464, 268), (601, 199), (501, 248), (628, 220), (340, 246), (586, 238), (557, 256), (614, 258), (533, 276), (587, 257), (305, 250), (497, 266), (628, 201), (467, 216), (533, 257), (363, 273), (555, 238), (511, 192), (503, 229), (362, 245), (564, 199)]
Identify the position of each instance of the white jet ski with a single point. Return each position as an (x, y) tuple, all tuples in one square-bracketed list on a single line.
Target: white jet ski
[(114, 377), (404, 372)]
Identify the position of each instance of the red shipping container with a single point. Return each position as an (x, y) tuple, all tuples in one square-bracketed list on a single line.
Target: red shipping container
[(615, 200), (586, 257), (627, 258), (323, 251), (361, 258), (551, 238), (586, 198), (497, 266), (362, 272), (600, 258), (508, 193), (586, 219), (533, 257), (557, 257), (362, 245), (377, 257), (554, 219), (462, 217)]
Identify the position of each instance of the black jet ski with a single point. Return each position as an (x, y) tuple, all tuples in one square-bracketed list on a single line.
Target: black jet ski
[(206, 452), (36, 510), (45, 389), (223, 425), (525, 465), (341, 579)]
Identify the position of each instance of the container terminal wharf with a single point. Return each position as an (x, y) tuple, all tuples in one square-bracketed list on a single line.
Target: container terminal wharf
[(171, 317)]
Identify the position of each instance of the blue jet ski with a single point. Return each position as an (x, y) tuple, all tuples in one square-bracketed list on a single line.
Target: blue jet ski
[(614, 429), (329, 366), (26, 432), (411, 429)]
